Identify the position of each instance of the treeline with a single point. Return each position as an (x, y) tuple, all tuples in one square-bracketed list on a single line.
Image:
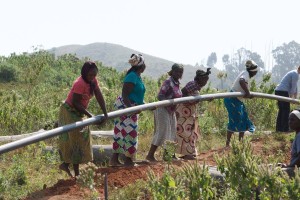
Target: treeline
[(286, 57)]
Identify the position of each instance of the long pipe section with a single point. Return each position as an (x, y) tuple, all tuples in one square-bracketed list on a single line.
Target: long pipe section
[(57, 131)]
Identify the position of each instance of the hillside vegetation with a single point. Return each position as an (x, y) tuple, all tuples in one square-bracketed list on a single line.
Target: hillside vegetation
[(33, 87)]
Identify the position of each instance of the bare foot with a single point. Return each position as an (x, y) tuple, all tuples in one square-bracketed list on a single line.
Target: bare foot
[(151, 159), (65, 168), (113, 163), (188, 157), (128, 162)]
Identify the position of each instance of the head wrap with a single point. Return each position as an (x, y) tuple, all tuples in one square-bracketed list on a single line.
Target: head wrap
[(201, 72), (136, 60), (251, 66), (87, 66), (297, 113), (175, 67)]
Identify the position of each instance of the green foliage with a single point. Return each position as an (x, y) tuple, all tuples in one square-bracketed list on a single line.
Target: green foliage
[(193, 181), (138, 190), (199, 182), (42, 81), (240, 168), (87, 175), (8, 73), (166, 187), (293, 186)]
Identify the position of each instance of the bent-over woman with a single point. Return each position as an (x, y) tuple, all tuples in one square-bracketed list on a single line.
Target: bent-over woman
[(164, 117), (187, 117), (238, 119), (75, 146)]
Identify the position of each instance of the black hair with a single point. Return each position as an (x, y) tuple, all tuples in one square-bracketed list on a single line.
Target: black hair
[(87, 66), (201, 73)]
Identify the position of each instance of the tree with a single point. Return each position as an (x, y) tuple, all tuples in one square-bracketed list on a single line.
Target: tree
[(236, 64), (287, 57), (212, 60)]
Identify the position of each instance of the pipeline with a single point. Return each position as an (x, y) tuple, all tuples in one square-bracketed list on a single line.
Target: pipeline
[(149, 106)]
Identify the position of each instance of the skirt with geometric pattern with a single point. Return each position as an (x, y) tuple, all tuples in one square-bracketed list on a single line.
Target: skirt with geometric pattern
[(125, 132)]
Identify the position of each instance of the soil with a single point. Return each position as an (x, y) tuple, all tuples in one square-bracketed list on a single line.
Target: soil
[(122, 176)]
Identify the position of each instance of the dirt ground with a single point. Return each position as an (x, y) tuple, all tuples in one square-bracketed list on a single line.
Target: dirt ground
[(122, 176)]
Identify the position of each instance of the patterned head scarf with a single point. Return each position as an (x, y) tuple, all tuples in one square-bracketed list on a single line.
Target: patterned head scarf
[(136, 60), (251, 66), (87, 66), (175, 67)]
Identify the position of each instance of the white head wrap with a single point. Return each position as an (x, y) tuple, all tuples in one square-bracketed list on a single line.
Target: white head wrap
[(297, 113), (251, 66)]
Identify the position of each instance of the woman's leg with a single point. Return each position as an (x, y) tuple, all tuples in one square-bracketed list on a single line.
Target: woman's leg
[(241, 135), (76, 169), (128, 161), (229, 134), (114, 161), (65, 167), (151, 153)]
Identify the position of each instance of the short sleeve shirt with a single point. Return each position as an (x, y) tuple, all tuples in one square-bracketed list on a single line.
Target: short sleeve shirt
[(236, 87), (138, 92), (82, 88)]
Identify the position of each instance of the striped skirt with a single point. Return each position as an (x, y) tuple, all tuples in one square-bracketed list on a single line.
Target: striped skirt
[(165, 126)]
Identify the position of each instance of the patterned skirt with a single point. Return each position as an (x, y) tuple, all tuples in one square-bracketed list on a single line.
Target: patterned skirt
[(125, 132), (238, 120), (74, 146), (187, 129)]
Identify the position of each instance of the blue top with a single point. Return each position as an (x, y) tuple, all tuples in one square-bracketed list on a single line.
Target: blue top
[(295, 150), (289, 83), (138, 92)]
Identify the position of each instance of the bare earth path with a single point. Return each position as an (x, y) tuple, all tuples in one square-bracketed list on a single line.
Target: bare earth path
[(122, 176)]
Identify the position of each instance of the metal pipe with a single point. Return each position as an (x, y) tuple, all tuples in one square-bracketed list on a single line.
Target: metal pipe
[(57, 131)]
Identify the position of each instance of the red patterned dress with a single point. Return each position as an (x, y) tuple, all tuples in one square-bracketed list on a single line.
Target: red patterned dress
[(187, 123)]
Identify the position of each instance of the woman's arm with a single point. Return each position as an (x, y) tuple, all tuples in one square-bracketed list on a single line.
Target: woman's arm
[(78, 106), (100, 100), (165, 91), (184, 92), (127, 88), (244, 86)]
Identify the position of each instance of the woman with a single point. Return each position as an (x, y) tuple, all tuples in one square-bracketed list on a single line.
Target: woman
[(164, 117), (294, 124), (126, 126), (238, 120), (187, 120), (75, 146)]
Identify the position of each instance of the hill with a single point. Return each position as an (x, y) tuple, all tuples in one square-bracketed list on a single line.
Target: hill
[(116, 56)]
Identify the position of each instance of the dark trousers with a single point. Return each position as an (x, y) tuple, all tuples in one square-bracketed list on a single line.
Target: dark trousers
[(282, 123)]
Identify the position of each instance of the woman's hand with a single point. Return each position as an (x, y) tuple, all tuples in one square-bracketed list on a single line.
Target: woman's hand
[(248, 95)]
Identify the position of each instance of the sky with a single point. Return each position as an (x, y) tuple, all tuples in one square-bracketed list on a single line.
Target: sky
[(184, 31)]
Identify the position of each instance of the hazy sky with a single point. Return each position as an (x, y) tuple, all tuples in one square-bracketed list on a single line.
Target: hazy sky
[(185, 31)]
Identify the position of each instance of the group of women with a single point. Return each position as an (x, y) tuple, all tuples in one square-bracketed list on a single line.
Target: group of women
[(172, 123)]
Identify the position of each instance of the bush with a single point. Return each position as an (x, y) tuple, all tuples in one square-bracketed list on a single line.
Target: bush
[(8, 73)]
